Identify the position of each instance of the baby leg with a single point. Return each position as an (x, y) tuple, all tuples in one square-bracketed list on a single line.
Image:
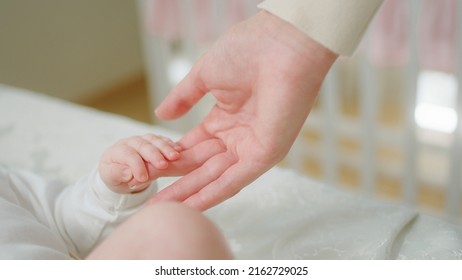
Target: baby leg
[(164, 231)]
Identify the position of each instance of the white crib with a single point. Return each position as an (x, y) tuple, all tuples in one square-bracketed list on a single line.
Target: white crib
[(354, 136)]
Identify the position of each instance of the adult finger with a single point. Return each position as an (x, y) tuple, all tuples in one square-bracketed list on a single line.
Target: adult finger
[(194, 181), (190, 159), (231, 181), (183, 96), (195, 136)]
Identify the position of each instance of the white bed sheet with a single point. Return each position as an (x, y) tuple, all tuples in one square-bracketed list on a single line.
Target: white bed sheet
[(282, 215)]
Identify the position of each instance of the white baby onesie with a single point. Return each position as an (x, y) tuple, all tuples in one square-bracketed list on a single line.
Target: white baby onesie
[(45, 220)]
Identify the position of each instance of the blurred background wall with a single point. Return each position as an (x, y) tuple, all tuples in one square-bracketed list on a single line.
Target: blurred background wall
[(75, 50)]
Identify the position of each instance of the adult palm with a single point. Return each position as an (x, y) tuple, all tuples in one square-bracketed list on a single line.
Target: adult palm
[(265, 76)]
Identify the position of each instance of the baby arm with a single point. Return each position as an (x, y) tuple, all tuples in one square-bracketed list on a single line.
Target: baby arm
[(132, 163), (89, 210)]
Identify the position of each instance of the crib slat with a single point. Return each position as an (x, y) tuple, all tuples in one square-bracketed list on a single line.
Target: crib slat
[(219, 16), (330, 105), (410, 144), (368, 108), (159, 51), (189, 24), (296, 155), (455, 183), (155, 49)]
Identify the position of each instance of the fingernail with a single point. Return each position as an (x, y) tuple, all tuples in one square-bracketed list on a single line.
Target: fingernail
[(127, 175), (134, 187), (137, 188), (162, 164)]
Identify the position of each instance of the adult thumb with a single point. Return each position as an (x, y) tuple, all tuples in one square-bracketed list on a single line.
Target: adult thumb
[(183, 96)]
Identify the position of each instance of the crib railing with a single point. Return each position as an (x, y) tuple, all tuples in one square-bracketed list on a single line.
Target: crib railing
[(362, 134)]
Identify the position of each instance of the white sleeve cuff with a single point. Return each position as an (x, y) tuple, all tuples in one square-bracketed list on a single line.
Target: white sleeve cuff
[(338, 25), (119, 202)]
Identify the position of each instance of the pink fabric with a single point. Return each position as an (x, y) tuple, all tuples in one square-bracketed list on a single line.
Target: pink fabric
[(164, 18), (237, 11), (388, 38), (436, 35), (205, 27)]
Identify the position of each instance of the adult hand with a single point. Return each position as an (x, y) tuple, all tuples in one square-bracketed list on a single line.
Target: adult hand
[(132, 163), (265, 75)]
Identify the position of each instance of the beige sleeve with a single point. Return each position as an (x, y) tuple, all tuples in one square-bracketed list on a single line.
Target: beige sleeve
[(337, 24)]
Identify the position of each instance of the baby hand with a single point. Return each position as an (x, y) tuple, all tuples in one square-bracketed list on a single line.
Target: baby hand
[(124, 167)]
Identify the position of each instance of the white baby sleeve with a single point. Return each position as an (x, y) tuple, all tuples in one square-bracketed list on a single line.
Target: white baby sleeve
[(88, 212)]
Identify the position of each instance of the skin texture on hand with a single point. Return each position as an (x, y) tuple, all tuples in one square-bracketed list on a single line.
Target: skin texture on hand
[(132, 163), (265, 76)]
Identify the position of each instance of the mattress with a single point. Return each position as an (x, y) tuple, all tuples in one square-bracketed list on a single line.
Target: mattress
[(281, 215)]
